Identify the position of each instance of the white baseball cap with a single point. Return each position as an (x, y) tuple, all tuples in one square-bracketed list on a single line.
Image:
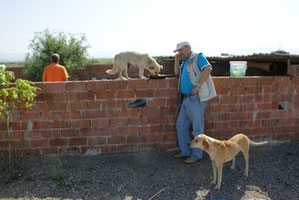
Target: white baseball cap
[(180, 45)]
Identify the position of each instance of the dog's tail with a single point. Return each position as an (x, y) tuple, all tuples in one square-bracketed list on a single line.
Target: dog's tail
[(258, 143), (112, 71)]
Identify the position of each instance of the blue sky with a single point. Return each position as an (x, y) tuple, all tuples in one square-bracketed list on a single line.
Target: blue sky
[(154, 26)]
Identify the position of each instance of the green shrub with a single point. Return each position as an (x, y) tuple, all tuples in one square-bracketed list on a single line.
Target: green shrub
[(12, 97), (72, 50)]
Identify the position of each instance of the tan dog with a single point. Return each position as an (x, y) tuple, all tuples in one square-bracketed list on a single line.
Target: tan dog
[(224, 151), (135, 59)]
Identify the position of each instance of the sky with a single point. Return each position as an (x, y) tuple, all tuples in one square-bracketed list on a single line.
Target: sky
[(238, 27)]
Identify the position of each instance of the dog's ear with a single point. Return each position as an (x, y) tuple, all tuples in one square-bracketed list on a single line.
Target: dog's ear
[(205, 144)]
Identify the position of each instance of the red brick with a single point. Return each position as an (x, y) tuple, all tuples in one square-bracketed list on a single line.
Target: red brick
[(117, 103), (135, 139), (90, 95), (61, 124), (172, 83), (16, 135), (128, 112), (45, 97), (236, 81), (84, 123), (118, 121), (171, 110), (76, 86), (139, 83), (99, 104), (156, 83), (129, 130), (222, 90), (237, 90), (77, 141), (157, 102), (55, 87), (249, 81), (145, 93), (285, 80), (265, 81), (18, 144), (96, 85), (170, 137), (139, 121), (18, 125), (116, 140), (114, 130), (295, 80), (264, 106), (125, 94), (167, 92), (69, 96), (229, 99), (99, 123), (277, 80), (96, 140), (155, 138), (58, 142), (90, 114), (78, 105), (108, 94), (117, 84), (166, 128), (70, 132), (39, 143), (149, 111)]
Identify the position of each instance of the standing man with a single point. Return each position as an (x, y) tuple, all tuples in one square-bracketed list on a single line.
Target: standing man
[(196, 87), (54, 71)]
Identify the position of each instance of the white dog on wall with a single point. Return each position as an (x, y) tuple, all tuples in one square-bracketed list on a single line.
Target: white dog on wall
[(125, 59)]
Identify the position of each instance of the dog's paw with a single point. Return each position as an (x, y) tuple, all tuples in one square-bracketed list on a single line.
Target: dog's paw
[(232, 167), (213, 182), (217, 187), (246, 174)]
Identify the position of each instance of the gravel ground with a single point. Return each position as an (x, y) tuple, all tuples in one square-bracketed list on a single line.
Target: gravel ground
[(273, 174)]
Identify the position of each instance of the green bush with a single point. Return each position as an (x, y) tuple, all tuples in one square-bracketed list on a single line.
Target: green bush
[(72, 50), (12, 97)]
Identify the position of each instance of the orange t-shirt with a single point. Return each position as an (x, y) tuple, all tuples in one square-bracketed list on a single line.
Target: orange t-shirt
[(55, 72)]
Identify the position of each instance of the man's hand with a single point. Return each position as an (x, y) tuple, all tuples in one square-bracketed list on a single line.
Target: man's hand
[(178, 56), (195, 90)]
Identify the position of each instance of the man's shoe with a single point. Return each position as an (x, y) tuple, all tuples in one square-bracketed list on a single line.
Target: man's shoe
[(191, 160), (178, 156)]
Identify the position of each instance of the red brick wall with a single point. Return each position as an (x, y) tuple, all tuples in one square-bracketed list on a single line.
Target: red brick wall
[(90, 117)]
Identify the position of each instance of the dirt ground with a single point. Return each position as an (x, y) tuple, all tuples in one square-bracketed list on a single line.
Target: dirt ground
[(273, 174)]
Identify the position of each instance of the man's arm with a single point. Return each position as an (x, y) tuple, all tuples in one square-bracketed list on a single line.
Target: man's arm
[(204, 76), (65, 74), (177, 58)]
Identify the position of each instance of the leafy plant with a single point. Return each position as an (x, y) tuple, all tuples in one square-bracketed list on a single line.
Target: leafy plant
[(72, 50), (18, 95), (57, 172)]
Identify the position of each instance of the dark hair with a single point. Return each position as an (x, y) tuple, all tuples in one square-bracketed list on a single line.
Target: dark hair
[(55, 57)]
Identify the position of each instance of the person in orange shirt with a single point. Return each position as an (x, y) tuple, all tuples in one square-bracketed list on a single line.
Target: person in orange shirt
[(54, 71)]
